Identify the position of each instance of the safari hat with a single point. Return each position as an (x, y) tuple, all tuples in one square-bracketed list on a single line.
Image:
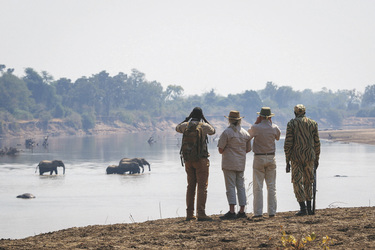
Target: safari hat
[(266, 112), (299, 109), (234, 115)]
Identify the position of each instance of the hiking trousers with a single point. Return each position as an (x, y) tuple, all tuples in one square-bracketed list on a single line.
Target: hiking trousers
[(264, 170), (235, 180), (303, 178), (197, 179)]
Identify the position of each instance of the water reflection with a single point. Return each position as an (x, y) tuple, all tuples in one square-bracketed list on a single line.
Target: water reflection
[(86, 195)]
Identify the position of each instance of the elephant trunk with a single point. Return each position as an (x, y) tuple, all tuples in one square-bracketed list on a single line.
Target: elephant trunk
[(63, 168), (149, 166)]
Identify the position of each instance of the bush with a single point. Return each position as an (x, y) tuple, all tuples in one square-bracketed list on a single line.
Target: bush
[(88, 121), (125, 117), (58, 111), (74, 120), (22, 115)]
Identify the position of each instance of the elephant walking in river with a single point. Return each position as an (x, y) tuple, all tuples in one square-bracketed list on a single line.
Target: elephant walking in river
[(141, 162), (130, 167), (49, 166)]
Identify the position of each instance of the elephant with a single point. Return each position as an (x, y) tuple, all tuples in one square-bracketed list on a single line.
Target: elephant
[(49, 166), (141, 162), (130, 167)]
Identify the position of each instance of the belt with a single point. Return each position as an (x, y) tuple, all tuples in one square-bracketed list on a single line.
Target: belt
[(264, 153)]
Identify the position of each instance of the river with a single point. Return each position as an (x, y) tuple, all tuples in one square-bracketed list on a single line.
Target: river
[(86, 195)]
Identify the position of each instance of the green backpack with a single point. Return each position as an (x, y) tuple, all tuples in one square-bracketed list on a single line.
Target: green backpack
[(194, 144)]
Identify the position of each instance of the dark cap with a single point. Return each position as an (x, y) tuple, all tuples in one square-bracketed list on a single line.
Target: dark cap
[(196, 113)]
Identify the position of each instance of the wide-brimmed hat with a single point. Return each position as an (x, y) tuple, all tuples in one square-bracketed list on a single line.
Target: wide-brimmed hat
[(265, 112), (299, 109), (234, 115)]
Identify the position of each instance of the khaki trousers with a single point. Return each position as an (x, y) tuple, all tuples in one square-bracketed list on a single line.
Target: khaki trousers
[(197, 178), (264, 169), (235, 180), (303, 178)]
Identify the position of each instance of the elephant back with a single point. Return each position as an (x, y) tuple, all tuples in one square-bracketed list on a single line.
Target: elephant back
[(44, 162)]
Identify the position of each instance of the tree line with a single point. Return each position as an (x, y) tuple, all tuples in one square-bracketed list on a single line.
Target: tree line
[(132, 99)]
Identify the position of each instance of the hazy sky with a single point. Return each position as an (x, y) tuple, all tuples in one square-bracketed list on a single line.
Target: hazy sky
[(228, 46)]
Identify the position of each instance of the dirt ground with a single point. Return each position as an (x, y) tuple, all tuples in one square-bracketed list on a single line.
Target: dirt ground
[(336, 228)]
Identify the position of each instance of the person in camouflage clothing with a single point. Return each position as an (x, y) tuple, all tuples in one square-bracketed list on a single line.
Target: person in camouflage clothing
[(302, 150)]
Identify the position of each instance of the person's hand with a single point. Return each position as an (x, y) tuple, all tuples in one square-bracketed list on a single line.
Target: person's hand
[(287, 169), (204, 119), (316, 165), (259, 119)]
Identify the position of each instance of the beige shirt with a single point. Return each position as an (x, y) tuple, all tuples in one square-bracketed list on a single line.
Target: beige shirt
[(235, 141), (265, 133)]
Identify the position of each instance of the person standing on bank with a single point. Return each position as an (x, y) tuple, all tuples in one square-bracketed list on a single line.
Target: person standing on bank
[(234, 144), (302, 149), (195, 129), (264, 133)]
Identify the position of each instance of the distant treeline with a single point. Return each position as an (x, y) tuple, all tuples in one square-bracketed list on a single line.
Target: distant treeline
[(132, 99)]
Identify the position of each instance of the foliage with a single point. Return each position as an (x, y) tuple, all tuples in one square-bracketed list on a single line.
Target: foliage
[(74, 120), (132, 99), (88, 121), (291, 242), (368, 99)]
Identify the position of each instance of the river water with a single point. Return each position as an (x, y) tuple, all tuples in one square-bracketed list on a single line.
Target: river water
[(86, 195)]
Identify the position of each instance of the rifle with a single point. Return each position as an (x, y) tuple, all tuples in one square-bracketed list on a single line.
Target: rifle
[(314, 192)]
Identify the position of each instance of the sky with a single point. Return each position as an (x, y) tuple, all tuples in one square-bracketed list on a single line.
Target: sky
[(201, 45)]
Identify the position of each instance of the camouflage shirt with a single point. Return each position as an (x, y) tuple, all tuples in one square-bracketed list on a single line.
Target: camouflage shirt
[(302, 142)]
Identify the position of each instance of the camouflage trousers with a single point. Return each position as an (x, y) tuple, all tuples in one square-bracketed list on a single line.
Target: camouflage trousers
[(302, 179)]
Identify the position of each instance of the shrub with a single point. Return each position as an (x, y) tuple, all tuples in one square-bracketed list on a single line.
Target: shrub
[(74, 120), (88, 121)]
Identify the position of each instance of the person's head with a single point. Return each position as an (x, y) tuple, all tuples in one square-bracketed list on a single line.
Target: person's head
[(265, 113), (234, 117), (197, 113), (299, 109)]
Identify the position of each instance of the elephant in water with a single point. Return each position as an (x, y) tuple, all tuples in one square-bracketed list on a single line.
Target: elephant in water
[(130, 167), (141, 162), (49, 166)]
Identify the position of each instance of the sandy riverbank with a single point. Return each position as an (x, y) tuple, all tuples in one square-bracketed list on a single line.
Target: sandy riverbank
[(366, 136)]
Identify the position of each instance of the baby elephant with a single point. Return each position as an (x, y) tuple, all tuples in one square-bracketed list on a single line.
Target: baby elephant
[(49, 166), (132, 168)]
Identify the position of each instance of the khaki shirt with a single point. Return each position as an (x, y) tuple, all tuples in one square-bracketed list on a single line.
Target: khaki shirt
[(264, 133), (207, 129), (235, 141)]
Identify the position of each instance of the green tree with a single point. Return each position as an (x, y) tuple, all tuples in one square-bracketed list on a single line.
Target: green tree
[(41, 89), (368, 99), (14, 94)]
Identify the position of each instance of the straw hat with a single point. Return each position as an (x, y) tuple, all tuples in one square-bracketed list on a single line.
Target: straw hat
[(234, 115), (265, 112)]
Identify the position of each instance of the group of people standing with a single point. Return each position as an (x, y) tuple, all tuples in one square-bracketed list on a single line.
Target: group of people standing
[(301, 147)]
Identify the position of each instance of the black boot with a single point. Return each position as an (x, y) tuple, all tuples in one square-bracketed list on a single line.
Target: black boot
[(309, 210), (302, 210)]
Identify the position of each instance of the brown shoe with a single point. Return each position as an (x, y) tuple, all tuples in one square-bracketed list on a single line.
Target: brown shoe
[(204, 218), (189, 218)]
